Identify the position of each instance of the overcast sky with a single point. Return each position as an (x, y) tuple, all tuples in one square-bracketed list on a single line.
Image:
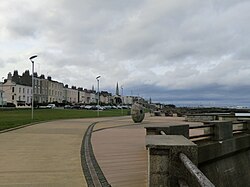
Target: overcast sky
[(174, 51)]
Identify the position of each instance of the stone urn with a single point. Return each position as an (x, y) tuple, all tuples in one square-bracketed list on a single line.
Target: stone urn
[(137, 113)]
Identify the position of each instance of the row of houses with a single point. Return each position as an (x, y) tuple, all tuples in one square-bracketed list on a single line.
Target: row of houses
[(17, 90)]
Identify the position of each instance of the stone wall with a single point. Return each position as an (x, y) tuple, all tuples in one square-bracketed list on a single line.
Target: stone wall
[(224, 160), (200, 118), (230, 171)]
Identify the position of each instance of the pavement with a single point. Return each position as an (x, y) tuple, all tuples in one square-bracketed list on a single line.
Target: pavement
[(48, 154)]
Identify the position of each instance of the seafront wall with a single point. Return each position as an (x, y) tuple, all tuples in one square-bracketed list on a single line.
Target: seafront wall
[(231, 170), (221, 159)]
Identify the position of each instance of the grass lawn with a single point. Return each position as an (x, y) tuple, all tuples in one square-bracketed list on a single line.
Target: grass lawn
[(17, 117)]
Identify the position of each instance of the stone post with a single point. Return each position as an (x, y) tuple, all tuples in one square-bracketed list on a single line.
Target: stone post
[(246, 126), (222, 130), (165, 167), (178, 130)]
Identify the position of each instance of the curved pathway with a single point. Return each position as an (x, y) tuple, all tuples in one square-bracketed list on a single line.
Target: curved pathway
[(46, 154)]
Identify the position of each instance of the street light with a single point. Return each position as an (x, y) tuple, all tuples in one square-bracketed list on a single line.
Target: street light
[(32, 103), (2, 91), (122, 99), (98, 101)]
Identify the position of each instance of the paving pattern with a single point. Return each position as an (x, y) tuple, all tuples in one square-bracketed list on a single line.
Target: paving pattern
[(121, 151), (48, 154)]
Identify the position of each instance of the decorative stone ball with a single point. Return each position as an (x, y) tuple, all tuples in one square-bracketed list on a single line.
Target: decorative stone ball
[(137, 113)]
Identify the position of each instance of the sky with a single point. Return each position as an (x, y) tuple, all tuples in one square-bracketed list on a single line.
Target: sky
[(179, 52)]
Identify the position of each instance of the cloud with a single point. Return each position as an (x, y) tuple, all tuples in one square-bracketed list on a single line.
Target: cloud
[(171, 45)]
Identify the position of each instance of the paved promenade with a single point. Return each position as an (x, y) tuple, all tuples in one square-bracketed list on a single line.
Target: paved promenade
[(48, 154), (121, 151)]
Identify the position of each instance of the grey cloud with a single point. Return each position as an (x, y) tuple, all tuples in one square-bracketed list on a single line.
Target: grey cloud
[(167, 45)]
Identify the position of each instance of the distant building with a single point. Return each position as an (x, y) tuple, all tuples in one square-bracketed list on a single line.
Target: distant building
[(117, 97), (128, 100), (70, 94), (55, 91), (16, 91), (90, 96), (40, 89), (105, 97), (2, 96)]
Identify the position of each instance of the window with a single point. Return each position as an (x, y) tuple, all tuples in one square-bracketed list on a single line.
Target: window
[(19, 90), (13, 89), (23, 90)]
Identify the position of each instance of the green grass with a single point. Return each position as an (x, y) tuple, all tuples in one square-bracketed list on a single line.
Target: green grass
[(17, 117)]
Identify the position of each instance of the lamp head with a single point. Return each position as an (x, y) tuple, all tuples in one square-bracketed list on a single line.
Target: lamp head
[(98, 77), (32, 57)]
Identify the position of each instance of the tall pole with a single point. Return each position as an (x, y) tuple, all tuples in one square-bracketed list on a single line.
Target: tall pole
[(32, 103), (98, 95), (122, 99), (2, 91)]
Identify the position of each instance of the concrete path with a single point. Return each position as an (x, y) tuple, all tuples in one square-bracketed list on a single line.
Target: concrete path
[(46, 154)]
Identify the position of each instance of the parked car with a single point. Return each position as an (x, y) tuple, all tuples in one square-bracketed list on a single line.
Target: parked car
[(51, 106), (82, 107), (107, 107), (67, 107), (76, 107), (98, 107), (88, 107)]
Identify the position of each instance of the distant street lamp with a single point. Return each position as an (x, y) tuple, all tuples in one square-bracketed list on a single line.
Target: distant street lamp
[(2, 90), (32, 103), (122, 99), (98, 95)]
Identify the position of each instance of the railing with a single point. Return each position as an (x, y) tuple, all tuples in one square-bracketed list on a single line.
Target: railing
[(238, 127), (201, 179), (195, 172), (206, 135), (182, 160)]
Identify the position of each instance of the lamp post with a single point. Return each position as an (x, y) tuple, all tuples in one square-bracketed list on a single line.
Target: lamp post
[(98, 95), (122, 99), (32, 103), (2, 91)]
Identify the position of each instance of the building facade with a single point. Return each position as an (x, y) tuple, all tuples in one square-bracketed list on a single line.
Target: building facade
[(17, 89), (55, 91), (70, 94), (20, 95), (41, 86)]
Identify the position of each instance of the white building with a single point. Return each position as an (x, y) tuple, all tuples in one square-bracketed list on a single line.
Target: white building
[(127, 100), (55, 91), (18, 94), (70, 95), (2, 96)]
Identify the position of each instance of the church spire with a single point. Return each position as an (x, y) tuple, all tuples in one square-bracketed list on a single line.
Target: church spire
[(117, 89)]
